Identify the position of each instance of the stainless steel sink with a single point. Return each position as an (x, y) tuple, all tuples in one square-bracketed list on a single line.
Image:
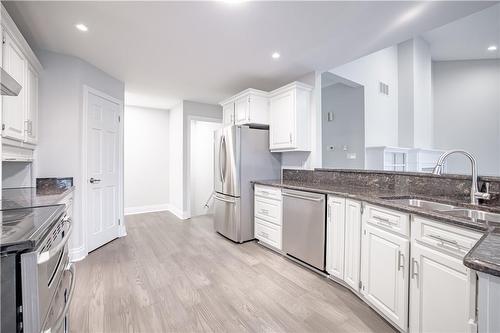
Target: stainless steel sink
[(473, 214), (423, 204)]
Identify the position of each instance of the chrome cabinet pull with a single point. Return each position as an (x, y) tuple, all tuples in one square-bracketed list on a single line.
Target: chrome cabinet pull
[(401, 260), (414, 265), (94, 180), (444, 240), (264, 211), (384, 221)]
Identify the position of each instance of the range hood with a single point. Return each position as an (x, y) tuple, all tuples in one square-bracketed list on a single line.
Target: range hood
[(10, 86)]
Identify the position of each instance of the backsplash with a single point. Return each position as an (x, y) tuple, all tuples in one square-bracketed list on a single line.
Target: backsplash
[(451, 186)]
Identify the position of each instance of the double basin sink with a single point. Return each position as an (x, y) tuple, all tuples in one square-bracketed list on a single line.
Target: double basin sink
[(447, 209)]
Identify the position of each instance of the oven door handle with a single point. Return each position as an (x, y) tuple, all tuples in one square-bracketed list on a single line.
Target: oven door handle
[(50, 253), (64, 312)]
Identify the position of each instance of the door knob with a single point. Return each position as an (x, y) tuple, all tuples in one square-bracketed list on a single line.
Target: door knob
[(94, 180)]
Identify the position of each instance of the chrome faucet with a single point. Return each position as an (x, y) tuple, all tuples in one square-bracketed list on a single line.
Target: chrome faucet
[(475, 193)]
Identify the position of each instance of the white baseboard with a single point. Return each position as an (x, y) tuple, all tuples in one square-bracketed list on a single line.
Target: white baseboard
[(179, 213), (146, 209), (77, 254), (183, 215)]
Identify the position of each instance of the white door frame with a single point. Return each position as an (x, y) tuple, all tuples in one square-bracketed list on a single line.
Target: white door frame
[(122, 230), (188, 153)]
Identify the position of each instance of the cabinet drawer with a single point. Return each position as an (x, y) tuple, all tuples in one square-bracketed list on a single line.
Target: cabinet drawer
[(447, 238), (268, 209), (268, 192), (388, 219), (268, 233)]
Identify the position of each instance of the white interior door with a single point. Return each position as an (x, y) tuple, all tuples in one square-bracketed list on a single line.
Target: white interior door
[(103, 176), (202, 165)]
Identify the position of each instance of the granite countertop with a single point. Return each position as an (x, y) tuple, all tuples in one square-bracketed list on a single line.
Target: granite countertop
[(30, 197), (484, 256)]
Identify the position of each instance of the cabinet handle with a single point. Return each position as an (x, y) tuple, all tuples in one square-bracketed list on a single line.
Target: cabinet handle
[(329, 211), (414, 265), (264, 234), (384, 221), (444, 240), (290, 137), (264, 211), (27, 126), (401, 260)]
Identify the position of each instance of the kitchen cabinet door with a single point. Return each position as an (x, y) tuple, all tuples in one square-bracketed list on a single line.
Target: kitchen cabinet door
[(440, 292), (384, 272), (282, 121), (228, 114), (335, 236), (14, 107), (31, 121), (352, 249), (241, 110)]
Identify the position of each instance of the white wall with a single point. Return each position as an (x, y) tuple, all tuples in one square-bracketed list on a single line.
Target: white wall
[(381, 111), (60, 124), (146, 160), (347, 128), (176, 158), (415, 111), (467, 112)]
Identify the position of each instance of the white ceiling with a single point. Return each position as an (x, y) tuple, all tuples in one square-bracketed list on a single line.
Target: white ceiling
[(207, 51), (467, 38)]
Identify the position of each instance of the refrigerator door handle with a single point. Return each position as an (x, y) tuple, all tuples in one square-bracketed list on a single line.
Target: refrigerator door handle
[(221, 174), (223, 199)]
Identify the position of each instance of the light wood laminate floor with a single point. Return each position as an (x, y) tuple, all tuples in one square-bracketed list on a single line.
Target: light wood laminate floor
[(169, 275)]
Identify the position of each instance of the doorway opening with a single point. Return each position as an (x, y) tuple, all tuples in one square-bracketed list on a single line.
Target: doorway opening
[(202, 165)]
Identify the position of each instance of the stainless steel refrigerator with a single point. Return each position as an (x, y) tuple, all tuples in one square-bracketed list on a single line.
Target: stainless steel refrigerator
[(241, 155)]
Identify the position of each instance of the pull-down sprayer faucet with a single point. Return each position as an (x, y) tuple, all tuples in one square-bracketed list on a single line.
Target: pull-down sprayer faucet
[(475, 193)]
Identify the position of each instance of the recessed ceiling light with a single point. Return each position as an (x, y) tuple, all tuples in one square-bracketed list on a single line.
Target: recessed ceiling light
[(276, 55), (492, 48), (81, 27)]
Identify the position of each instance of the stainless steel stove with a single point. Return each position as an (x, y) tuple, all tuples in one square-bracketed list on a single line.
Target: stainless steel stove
[(37, 279)]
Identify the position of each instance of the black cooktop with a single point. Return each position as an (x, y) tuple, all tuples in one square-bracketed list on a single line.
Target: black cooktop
[(24, 228)]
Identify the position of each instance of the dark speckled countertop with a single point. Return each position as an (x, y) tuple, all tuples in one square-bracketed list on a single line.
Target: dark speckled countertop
[(484, 256), (30, 197)]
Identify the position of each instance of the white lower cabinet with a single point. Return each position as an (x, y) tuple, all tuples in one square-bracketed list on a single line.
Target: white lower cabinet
[(384, 273), (352, 240), (442, 289), (335, 225), (343, 240), (267, 216), (440, 292)]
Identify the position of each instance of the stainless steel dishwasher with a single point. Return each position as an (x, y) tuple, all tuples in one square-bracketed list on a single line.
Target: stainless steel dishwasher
[(304, 226)]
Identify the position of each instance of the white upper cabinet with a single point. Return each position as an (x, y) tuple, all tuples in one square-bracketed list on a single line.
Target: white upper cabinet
[(248, 107), (19, 113), (289, 125), (14, 107), (228, 114), (31, 120)]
